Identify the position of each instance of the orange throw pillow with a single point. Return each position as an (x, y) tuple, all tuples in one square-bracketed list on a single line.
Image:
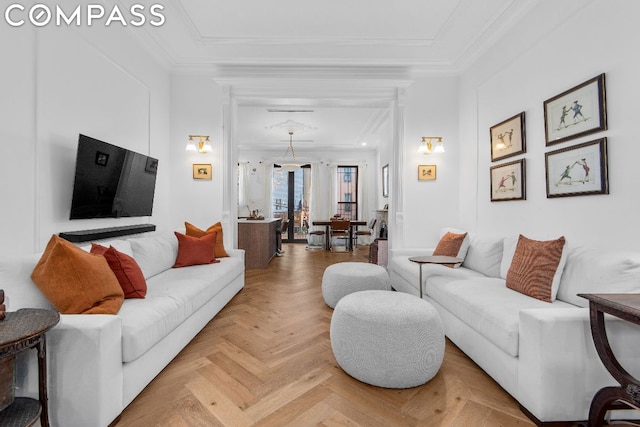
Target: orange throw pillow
[(533, 267), (193, 231), (195, 250), (126, 269), (75, 281), (449, 245)]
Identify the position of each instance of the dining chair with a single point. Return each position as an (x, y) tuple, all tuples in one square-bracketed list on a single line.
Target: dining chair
[(339, 229), (367, 232)]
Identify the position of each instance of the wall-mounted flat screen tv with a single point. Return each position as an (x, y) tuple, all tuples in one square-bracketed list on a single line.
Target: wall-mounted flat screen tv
[(112, 182)]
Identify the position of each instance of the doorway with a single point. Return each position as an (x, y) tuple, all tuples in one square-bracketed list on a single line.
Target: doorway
[(290, 201)]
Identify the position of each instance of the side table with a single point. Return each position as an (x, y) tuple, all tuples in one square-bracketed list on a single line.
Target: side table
[(626, 307), (22, 330), (432, 259)]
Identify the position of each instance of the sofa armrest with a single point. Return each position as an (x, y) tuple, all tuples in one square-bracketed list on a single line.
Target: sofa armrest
[(236, 253), (84, 362), (559, 370)]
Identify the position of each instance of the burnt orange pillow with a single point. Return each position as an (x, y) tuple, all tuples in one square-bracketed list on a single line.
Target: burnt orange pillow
[(449, 245), (75, 281), (534, 266), (193, 231), (125, 268), (195, 250)]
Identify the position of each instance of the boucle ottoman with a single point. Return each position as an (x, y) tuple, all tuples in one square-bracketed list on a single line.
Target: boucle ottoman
[(387, 339), (345, 278)]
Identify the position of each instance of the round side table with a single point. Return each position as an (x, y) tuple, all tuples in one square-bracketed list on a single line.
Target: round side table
[(432, 259), (22, 330)]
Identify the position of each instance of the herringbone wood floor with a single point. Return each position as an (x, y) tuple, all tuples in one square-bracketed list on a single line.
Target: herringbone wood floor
[(266, 360)]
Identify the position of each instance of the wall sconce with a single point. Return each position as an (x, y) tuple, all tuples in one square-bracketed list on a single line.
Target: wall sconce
[(202, 146), (426, 147)]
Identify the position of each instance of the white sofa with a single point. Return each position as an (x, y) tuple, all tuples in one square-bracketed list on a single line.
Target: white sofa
[(541, 353), (97, 364)]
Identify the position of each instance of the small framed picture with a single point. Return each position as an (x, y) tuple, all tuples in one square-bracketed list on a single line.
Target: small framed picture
[(579, 111), (101, 158), (508, 181), (577, 171), (426, 172), (508, 138), (202, 171)]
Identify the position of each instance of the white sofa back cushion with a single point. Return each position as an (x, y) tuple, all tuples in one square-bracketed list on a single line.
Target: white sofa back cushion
[(590, 270), (484, 254), (155, 254)]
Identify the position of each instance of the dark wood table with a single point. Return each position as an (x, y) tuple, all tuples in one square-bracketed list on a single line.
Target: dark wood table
[(22, 330), (432, 259), (626, 307), (327, 224)]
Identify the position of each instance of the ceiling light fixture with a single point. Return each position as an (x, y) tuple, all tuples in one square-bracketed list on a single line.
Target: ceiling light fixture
[(426, 147), (202, 146), (291, 167)]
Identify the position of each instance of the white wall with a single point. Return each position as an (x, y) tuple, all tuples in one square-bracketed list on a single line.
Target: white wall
[(59, 82), (196, 108), (431, 109), (574, 42)]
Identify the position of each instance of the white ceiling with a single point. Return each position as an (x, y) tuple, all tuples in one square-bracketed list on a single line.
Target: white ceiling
[(291, 45)]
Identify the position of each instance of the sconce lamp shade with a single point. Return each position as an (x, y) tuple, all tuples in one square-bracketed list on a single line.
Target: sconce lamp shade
[(290, 167)]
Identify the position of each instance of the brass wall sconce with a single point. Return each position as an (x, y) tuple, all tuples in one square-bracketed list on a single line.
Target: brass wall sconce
[(426, 147), (202, 145)]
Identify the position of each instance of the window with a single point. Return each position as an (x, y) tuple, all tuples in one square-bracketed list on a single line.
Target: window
[(348, 192)]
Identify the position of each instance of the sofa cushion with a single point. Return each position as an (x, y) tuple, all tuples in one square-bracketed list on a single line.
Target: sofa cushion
[(484, 254), (126, 269), (192, 230), (452, 244), (591, 270), (195, 250), (487, 306), (77, 282), (172, 297), (155, 254), (536, 268)]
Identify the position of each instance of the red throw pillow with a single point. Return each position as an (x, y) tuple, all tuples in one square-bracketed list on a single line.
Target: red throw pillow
[(193, 231), (125, 268), (195, 250), (449, 245)]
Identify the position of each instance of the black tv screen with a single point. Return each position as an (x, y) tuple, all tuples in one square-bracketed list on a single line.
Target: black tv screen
[(112, 182)]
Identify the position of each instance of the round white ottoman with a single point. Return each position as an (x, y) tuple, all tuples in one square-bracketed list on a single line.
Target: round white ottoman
[(387, 339), (345, 278)]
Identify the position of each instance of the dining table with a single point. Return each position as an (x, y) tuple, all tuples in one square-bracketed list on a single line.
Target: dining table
[(327, 224)]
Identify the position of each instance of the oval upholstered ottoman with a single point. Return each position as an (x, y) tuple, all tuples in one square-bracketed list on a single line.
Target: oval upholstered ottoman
[(345, 278), (387, 339)]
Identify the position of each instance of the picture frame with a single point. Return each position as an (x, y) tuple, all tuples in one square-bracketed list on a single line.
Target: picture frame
[(579, 111), (427, 172), (385, 180), (202, 171), (508, 181), (508, 138), (578, 170), (102, 158)]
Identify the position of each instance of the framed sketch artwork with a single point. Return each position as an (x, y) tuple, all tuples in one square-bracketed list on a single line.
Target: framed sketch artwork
[(508, 181), (507, 138), (427, 172), (577, 171), (579, 111), (202, 171)]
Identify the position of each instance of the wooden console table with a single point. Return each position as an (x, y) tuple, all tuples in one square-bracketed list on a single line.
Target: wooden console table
[(259, 239), (626, 307), (19, 331)]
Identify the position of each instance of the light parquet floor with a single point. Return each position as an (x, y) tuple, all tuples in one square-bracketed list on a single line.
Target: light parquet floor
[(266, 360)]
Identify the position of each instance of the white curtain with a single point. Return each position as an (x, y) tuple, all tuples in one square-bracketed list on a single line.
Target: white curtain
[(332, 177), (364, 202), (243, 189)]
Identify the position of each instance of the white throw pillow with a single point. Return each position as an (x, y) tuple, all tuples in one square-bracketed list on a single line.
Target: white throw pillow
[(155, 254)]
